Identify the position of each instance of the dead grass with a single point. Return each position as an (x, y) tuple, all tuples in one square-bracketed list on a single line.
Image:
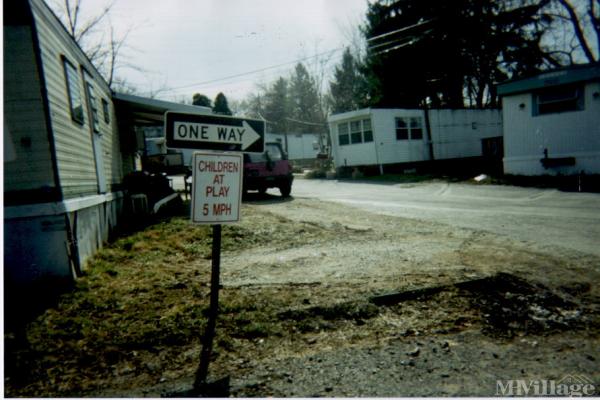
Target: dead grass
[(140, 309), (135, 319)]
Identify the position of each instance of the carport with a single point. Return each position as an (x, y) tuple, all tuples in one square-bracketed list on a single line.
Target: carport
[(145, 111), (135, 114)]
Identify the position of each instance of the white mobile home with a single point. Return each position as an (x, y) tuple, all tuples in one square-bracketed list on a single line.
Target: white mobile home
[(69, 142), (62, 176), (397, 136), (552, 122), (302, 148)]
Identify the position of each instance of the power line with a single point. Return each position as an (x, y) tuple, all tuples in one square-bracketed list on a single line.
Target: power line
[(306, 122), (233, 80), (406, 28), (252, 72), (410, 42)]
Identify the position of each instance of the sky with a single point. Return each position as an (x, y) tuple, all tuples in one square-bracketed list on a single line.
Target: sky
[(189, 46)]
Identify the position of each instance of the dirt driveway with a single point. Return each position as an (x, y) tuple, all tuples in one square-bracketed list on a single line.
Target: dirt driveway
[(320, 299)]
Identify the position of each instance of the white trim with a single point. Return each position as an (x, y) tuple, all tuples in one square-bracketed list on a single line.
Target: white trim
[(334, 118), (59, 207)]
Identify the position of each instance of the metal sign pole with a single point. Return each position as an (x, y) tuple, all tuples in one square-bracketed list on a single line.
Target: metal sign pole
[(216, 191), (209, 333)]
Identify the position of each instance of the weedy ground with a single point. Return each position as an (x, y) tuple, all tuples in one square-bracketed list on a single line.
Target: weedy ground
[(132, 325)]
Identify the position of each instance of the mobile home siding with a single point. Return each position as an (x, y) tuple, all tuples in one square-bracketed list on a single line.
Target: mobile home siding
[(351, 154), (566, 134), (73, 141), (454, 134), (53, 236), (458, 133), (300, 146), (389, 149), (385, 148), (24, 120)]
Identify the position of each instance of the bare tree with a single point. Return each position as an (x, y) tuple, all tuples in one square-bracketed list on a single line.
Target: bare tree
[(573, 32), (97, 38)]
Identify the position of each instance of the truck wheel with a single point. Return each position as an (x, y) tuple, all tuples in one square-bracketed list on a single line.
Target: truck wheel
[(285, 189)]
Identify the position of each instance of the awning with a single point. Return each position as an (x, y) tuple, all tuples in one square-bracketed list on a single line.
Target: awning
[(142, 111)]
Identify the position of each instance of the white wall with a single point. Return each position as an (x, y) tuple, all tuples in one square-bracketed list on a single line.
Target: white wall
[(455, 134), (300, 145), (390, 150), (566, 134), (458, 133), (351, 154)]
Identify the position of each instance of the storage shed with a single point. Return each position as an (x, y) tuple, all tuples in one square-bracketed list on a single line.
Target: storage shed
[(552, 122), (401, 136)]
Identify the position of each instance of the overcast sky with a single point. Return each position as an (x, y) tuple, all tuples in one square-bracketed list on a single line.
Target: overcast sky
[(189, 45)]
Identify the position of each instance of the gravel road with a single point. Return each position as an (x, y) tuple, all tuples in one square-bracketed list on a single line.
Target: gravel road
[(423, 236), (543, 216)]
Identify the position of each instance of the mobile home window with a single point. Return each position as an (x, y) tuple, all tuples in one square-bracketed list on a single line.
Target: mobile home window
[(401, 129), (367, 131), (355, 132), (105, 111), (416, 128), (558, 99), (93, 108), (73, 92), (343, 136)]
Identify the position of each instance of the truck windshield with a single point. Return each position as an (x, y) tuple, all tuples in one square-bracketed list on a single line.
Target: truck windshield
[(273, 150)]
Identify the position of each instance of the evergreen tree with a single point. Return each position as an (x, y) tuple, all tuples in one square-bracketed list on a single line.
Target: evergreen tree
[(448, 52), (346, 91), (305, 105), (276, 106), (201, 100), (221, 106)]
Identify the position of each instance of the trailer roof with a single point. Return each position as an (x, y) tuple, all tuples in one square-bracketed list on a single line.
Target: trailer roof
[(557, 77)]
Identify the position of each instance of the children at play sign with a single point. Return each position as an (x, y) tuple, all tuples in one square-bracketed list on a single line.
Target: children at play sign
[(217, 187)]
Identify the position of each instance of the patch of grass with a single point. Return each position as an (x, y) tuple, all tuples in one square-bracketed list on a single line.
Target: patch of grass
[(348, 311), (253, 330), (143, 299)]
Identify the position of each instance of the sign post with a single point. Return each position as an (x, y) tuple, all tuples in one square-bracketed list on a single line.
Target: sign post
[(216, 190), (209, 332), (216, 199)]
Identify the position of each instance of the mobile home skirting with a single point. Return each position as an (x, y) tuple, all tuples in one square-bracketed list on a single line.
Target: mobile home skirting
[(56, 239)]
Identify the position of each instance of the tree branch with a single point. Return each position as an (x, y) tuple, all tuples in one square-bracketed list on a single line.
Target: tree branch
[(92, 23), (71, 17), (594, 15), (576, 23)]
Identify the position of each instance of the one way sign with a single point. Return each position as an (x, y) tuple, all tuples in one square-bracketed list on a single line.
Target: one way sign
[(214, 132)]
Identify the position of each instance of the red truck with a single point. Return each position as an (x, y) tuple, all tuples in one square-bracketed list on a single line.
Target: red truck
[(270, 169)]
